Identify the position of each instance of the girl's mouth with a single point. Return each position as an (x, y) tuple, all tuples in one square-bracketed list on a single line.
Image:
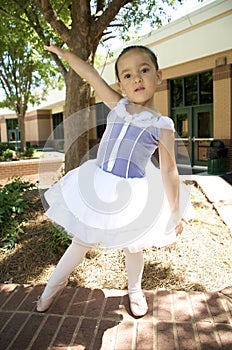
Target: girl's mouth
[(140, 88)]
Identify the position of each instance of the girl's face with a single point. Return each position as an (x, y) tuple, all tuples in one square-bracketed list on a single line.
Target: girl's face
[(138, 77)]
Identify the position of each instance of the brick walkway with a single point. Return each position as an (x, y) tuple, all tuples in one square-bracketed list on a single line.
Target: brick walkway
[(81, 318)]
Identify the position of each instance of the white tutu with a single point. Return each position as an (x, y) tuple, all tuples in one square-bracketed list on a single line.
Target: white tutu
[(98, 208)]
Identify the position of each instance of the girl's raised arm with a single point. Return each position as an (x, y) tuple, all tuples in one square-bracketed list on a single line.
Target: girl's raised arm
[(89, 73)]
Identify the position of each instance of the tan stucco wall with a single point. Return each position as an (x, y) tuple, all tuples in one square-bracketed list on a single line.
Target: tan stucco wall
[(38, 126), (3, 137), (195, 66)]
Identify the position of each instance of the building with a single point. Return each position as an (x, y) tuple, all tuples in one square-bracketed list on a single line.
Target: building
[(195, 56)]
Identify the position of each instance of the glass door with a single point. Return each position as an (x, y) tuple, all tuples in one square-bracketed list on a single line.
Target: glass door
[(194, 132), (13, 132), (202, 133), (183, 139)]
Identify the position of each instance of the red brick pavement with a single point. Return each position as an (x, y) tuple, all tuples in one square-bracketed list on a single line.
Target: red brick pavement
[(81, 318)]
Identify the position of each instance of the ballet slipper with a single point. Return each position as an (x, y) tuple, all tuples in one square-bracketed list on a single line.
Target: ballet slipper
[(44, 304), (138, 304)]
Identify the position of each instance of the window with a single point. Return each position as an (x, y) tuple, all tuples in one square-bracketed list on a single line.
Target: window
[(11, 124), (192, 90), (206, 88), (57, 121), (203, 124), (177, 92)]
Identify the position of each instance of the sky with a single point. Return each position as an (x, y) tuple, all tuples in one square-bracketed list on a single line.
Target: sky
[(188, 6), (179, 11)]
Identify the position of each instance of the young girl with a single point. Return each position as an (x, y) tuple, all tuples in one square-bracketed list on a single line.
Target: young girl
[(89, 202)]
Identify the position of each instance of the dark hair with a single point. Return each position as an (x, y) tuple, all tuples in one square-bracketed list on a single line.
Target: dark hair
[(140, 47)]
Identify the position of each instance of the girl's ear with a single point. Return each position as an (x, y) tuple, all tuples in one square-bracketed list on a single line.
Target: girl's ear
[(159, 77), (121, 88)]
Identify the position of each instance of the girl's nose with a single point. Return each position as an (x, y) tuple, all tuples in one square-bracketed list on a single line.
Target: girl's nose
[(138, 77)]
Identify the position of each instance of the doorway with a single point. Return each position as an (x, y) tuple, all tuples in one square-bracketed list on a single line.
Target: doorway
[(191, 102), (194, 132), (13, 132)]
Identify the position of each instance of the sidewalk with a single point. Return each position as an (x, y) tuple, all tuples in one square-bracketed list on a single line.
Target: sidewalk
[(100, 319), (219, 193)]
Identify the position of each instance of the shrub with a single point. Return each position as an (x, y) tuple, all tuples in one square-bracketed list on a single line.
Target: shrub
[(12, 208), (8, 154), (59, 240), (29, 152), (4, 146)]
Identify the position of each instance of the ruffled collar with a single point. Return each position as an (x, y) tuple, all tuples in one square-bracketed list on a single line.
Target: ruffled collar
[(142, 117)]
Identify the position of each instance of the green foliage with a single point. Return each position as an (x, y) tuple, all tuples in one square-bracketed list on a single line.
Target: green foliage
[(29, 152), (59, 240), (4, 146), (8, 154), (12, 208), (24, 74)]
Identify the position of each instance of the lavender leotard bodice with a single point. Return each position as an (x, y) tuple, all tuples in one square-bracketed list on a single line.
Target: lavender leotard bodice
[(130, 140)]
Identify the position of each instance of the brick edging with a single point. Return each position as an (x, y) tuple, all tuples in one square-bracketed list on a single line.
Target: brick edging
[(29, 169)]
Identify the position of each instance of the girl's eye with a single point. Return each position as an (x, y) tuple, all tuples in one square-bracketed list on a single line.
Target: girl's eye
[(127, 76), (145, 70)]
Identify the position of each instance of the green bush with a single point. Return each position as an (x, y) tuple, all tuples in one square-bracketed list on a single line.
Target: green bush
[(8, 154), (59, 240), (12, 208), (4, 146), (29, 152)]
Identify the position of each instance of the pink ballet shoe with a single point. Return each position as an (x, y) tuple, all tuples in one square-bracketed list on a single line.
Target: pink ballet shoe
[(138, 304), (44, 304)]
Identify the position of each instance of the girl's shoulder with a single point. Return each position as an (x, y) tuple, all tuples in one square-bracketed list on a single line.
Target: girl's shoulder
[(164, 122)]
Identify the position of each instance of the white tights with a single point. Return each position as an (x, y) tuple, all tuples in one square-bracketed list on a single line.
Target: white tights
[(74, 256)]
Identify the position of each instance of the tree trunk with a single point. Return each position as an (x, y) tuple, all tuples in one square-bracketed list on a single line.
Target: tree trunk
[(76, 122), (22, 129), (77, 100)]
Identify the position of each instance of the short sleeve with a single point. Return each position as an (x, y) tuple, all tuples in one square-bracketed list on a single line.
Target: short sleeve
[(164, 123)]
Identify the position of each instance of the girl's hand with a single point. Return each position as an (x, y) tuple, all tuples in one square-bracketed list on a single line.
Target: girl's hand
[(54, 49), (180, 226)]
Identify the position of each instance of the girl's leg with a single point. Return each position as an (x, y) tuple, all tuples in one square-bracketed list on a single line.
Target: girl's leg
[(58, 280), (134, 267), (71, 258)]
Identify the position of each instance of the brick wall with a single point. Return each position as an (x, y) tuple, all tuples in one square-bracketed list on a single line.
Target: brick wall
[(46, 171)]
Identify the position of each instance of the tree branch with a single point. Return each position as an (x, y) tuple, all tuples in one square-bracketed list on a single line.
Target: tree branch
[(100, 5), (107, 16), (52, 18), (115, 25), (108, 38), (35, 24)]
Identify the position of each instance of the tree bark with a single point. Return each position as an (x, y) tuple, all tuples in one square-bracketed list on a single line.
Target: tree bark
[(22, 129), (76, 121)]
